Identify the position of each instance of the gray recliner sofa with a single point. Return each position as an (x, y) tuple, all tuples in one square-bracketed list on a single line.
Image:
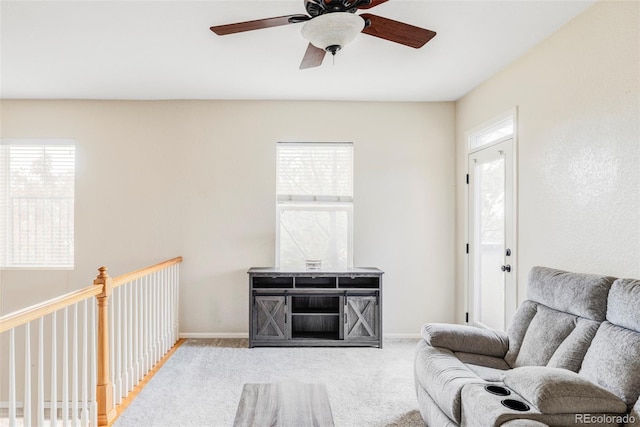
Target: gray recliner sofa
[(571, 356)]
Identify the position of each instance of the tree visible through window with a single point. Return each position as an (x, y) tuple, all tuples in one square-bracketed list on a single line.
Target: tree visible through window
[(37, 204), (314, 204)]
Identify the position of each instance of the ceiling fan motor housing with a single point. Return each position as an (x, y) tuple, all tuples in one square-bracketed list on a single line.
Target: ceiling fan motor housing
[(318, 7)]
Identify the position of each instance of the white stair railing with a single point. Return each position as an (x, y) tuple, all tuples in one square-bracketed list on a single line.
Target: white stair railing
[(78, 353), (46, 401), (144, 322)]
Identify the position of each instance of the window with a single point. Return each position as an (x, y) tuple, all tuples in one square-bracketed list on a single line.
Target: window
[(37, 204), (491, 132), (314, 204)]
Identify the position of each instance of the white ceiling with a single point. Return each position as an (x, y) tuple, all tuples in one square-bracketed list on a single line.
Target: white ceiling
[(92, 49)]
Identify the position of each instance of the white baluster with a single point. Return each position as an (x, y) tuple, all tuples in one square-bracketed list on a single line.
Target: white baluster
[(167, 310), (158, 287), (170, 307), (125, 341), (163, 313), (141, 372), (85, 368), (65, 369), (12, 378), (74, 368), (118, 331), (143, 326), (152, 320), (147, 327), (26, 408), (93, 410), (176, 298), (169, 324), (53, 414), (112, 344), (177, 301), (136, 333), (130, 346), (41, 372)]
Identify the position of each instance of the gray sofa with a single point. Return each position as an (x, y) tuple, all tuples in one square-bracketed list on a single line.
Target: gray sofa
[(571, 355)]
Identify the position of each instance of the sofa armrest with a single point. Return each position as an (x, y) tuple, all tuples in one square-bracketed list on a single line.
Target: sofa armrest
[(560, 391), (466, 339)]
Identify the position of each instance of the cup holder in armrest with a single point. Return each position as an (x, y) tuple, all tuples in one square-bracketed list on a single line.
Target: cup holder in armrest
[(496, 389), (516, 405)]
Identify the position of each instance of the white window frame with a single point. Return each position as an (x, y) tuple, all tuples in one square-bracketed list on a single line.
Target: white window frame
[(314, 203), (489, 127), (5, 263)]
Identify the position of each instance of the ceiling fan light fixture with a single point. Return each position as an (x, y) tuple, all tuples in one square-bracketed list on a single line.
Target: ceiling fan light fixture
[(332, 31)]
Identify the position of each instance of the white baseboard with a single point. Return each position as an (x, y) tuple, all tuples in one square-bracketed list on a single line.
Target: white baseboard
[(214, 335), (246, 335), (401, 336)]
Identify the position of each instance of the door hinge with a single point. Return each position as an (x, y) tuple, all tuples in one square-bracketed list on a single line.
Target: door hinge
[(466, 317), (467, 248), (467, 178)]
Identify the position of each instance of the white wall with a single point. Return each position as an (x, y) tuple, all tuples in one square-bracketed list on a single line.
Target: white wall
[(197, 179), (578, 99)]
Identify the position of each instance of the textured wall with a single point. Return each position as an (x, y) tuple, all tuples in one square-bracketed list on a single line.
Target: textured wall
[(578, 100), (197, 179)]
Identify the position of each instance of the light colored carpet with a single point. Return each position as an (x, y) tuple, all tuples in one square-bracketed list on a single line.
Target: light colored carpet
[(201, 384)]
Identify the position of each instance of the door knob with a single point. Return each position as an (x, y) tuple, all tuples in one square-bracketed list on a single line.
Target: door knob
[(506, 268)]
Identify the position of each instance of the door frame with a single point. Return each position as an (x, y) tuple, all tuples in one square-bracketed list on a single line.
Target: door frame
[(509, 311)]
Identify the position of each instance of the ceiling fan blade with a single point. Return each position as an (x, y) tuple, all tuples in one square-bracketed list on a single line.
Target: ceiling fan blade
[(373, 3), (396, 31), (312, 57), (258, 24)]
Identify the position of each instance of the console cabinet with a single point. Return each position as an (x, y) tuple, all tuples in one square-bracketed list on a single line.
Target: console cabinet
[(315, 307)]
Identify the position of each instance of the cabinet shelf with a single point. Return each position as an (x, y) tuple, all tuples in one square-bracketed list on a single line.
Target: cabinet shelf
[(314, 313), (315, 336)]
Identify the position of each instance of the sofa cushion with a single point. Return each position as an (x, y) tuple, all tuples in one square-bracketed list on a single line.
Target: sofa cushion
[(613, 361), (560, 391), (570, 353), (486, 367), (547, 330), (464, 338), (518, 328), (624, 302), (443, 376), (583, 295)]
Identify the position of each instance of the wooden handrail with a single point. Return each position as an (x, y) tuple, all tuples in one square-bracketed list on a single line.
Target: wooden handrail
[(129, 277), (36, 311)]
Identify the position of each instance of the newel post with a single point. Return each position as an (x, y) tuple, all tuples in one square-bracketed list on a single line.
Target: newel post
[(104, 392)]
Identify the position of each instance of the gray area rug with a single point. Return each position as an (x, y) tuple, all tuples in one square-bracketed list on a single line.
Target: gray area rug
[(201, 384)]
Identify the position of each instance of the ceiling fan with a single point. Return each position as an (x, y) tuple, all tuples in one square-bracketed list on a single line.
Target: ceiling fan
[(330, 24)]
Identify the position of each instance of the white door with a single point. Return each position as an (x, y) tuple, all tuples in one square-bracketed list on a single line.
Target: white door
[(492, 284)]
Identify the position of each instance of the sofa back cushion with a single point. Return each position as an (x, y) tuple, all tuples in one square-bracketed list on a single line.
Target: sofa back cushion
[(613, 359), (555, 326), (623, 307), (547, 330), (555, 339), (584, 295)]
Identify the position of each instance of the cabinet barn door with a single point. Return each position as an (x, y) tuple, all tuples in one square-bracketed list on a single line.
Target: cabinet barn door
[(269, 317), (361, 322)]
